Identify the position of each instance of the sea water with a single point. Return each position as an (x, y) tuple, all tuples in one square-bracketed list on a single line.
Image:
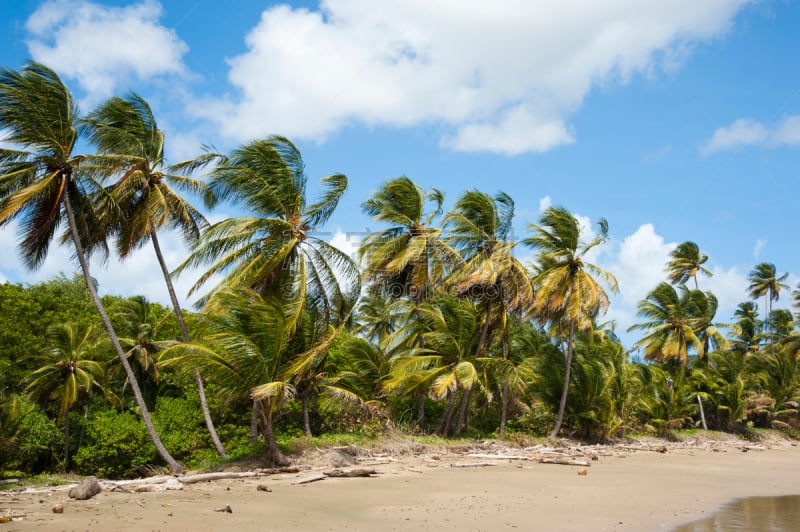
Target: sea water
[(761, 514)]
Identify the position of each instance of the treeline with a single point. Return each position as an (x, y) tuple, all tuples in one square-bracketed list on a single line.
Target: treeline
[(438, 329)]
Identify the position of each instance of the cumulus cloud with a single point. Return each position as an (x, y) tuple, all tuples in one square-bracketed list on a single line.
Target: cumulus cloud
[(501, 77), (747, 132), (102, 47)]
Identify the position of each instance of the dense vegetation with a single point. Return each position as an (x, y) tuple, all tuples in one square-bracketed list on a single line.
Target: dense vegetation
[(438, 329)]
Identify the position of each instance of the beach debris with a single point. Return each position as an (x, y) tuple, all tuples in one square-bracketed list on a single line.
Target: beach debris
[(474, 464), (86, 489), (352, 473), (204, 477), (312, 478), (341, 458), (225, 509), (264, 487), (171, 484), (498, 456), (58, 508), (582, 472), (9, 481), (558, 461)]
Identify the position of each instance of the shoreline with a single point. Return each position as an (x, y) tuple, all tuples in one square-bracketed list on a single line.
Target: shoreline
[(446, 488)]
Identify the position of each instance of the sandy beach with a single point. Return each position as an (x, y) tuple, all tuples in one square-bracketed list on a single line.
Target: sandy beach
[(624, 489)]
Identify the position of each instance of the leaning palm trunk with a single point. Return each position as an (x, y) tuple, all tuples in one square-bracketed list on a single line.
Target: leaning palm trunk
[(563, 404), (198, 379), (137, 393), (275, 457)]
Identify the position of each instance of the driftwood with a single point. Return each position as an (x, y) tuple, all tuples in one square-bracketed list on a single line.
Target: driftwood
[(498, 456), (276, 470), (584, 463), (352, 473), (312, 478), (474, 464), (9, 481), (203, 477), (657, 449)]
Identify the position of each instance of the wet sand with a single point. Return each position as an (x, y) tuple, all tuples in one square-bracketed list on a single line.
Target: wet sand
[(638, 491)]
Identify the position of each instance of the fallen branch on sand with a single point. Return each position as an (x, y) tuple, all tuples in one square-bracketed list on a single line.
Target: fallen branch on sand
[(584, 463), (312, 478), (352, 473), (474, 464)]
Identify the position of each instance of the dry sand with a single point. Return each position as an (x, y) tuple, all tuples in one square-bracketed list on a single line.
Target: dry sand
[(622, 490)]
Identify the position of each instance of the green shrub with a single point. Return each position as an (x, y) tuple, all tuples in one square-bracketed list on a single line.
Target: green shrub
[(180, 424), (40, 445), (116, 446)]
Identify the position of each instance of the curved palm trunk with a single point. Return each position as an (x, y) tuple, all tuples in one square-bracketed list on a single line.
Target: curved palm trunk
[(306, 418), (275, 457), (504, 391), (137, 393), (563, 404), (461, 420), (198, 379)]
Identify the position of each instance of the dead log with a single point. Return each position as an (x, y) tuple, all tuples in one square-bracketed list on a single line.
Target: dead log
[(352, 473), (474, 464), (557, 461), (658, 449), (9, 481), (498, 456), (276, 470), (312, 478), (203, 477)]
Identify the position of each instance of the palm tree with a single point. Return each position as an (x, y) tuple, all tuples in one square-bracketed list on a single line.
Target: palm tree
[(479, 228), (686, 263), (274, 250), (703, 308), (43, 182), (139, 338), (68, 371), (410, 257), (148, 193), (447, 364), (242, 348), (565, 289), (765, 281), (669, 329)]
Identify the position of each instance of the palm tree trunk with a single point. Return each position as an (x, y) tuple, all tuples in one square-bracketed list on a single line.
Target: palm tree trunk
[(461, 420), (137, 393), (198, 379), (274, 456), (306, 420), (504, 399), (563, 404), (447, 417), (66, 441)]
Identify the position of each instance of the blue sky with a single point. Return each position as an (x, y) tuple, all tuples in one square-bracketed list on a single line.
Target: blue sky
[(676, 120)]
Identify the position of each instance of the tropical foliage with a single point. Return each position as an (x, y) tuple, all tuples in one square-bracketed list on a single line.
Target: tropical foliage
[(451, 332)]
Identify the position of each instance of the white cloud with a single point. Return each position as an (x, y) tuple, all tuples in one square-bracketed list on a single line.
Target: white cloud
[(758, 247), (545, 203), (348, 243), (748, 132), (102, 46), (502, 76), (639, 263)]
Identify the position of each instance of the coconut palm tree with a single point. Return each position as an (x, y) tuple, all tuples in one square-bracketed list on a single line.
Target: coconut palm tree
[(447, 364), (274, 249), (409, 258), (703, 308), (686, 263), (765, 281), (148, 195), (241, 346), (565, 289), (43, 183), (68, 371), (479, 228), (670, 326)]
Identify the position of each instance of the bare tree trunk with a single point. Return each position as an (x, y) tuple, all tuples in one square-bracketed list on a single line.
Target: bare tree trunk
[(421, 411), (275, 457), (568, 362), (198, 379), (137, 393), (504, 391)]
